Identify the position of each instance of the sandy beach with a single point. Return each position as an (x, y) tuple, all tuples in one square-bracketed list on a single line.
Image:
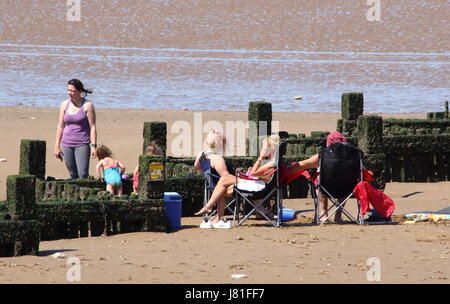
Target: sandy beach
[(295, 253)]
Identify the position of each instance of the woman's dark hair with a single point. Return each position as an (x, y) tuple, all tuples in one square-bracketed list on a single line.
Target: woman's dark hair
[(79, 86)]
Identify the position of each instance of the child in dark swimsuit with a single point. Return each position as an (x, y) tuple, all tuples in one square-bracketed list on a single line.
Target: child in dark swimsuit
[(112, 170)]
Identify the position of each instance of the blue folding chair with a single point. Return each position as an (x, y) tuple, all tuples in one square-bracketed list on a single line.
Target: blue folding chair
[(211, 180)]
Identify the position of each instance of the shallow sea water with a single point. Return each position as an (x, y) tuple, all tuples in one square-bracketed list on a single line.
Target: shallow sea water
[(219, 55)]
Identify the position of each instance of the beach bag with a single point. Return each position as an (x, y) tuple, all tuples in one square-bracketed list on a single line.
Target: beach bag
[(367, 194)]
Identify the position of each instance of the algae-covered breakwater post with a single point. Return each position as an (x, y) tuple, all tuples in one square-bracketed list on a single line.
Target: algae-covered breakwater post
[(44, 208)]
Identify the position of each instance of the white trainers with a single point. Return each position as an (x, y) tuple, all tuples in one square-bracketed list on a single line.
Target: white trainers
[(206, 224), (222, 224)]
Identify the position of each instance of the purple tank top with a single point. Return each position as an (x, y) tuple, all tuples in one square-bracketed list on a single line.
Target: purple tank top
[(77, 130)]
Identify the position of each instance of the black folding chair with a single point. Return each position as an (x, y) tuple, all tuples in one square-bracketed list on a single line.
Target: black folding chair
[(269, 189), (340, 170)]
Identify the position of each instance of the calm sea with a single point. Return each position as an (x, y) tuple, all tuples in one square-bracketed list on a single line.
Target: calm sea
[(219, 55)]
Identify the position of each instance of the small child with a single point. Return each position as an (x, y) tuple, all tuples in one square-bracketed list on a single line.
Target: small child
[(110, 168), (152, 149)]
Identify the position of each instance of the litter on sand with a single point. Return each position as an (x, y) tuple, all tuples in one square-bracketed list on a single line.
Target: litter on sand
[(59, 255), (239, 276)]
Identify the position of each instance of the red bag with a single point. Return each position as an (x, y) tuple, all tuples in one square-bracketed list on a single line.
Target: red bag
[(366, 194), (287, 177), (367, 175)]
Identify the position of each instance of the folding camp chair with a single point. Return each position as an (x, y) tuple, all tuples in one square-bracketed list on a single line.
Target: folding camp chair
[(211, 180), (264, 191), (340, 170)]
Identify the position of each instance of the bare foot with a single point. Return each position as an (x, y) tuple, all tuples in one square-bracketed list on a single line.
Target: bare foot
[(202, 211), (323, 217)]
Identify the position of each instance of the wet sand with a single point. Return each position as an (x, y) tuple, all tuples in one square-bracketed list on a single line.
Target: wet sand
[(220, 55)]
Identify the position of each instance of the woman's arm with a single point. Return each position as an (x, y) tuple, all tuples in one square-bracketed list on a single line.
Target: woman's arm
[(90, 113), (59, 129), (258, 170), (310, 163), (197, 163), (268, 168)]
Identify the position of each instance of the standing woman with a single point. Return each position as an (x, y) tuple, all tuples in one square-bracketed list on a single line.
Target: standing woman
[(76, 134)]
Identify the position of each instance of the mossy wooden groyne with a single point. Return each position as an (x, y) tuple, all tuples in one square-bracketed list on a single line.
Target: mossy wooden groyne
[(19, 229), (155, 131), (260, 125), (25, 221), (104, 215)]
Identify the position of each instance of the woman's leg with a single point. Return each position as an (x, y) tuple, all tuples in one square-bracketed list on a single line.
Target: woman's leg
[(69, 159), (82, 157), (323, 207), (338, 214), (219, 192), (230, 191), (220, 210)]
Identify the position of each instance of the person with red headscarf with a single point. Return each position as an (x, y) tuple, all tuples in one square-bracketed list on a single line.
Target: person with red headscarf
[(313, 162)]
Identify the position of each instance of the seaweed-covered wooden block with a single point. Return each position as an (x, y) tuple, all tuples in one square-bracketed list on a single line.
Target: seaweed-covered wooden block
[(260, 124), (235, 162), (370, 134), (151, 189), (377, 164), (284, 134), (19, 238), (291, 149), (419, 144), (299, 188), (436, 115), (155, 131), (190, 189), (339, 125), (427, 125), (346, 126), (311, 151), (21, 196), (261, 111), (352, 105), (319, 133), (32, 157), (151, 167)]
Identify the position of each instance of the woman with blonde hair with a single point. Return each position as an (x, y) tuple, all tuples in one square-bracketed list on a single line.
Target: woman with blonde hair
[(264, 166), (215, 149)]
